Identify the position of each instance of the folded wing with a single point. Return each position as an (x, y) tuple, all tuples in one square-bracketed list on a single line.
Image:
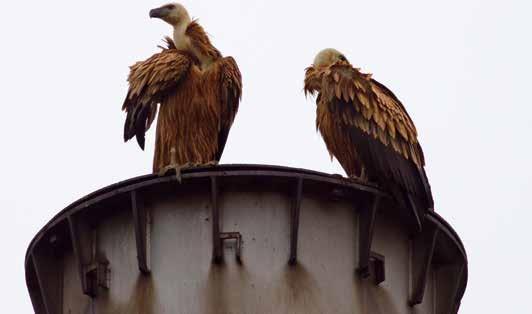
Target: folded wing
[(149, 82), (225, 77), (378, 125)]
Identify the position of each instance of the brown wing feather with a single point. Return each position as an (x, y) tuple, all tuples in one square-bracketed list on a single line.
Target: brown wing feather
[(201, 41), (231, 93), (223, 87), (369, 117), (149, 82)]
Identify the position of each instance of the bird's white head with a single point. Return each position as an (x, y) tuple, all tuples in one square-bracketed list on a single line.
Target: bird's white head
[(328, 56), (174, 14)]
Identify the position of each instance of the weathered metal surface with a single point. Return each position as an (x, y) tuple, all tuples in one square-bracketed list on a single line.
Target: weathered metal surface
[(294, 220), (216, 240), (422, 251), (82, 247), (141, 220), (157, 240), (366, 226)]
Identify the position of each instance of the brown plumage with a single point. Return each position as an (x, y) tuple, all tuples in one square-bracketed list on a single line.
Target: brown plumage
[(365, 126), (200, 41), (198, 91)]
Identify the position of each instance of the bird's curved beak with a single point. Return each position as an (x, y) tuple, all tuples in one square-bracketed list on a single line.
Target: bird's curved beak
[(158, 13)]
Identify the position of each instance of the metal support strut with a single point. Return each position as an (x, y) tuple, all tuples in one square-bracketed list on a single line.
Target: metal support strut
[(219, 237), (365, 237), (294, 221)]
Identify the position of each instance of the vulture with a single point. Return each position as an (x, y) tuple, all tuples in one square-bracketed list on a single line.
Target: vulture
[(367, 129), (195, 89)]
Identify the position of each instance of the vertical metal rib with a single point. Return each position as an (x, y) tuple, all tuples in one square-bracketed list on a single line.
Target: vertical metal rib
[(294, 221), (216, 241)]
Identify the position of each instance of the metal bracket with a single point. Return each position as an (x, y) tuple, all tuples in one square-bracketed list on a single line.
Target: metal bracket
[(97, 274), (93, 273), (377, 267), (365, 236), (236, 236), (219, 237)]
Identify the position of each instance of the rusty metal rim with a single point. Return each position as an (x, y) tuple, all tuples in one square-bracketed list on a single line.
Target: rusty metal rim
[(202, 172), (235, 170), (225, 170), (451, 234)]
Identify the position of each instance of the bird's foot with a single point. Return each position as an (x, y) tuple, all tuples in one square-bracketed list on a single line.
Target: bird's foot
[(212, 163), (177, 168), (360, 178)]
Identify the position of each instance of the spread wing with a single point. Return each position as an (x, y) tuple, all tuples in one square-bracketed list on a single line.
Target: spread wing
[(228, 82), (377, 123), (149, 82)]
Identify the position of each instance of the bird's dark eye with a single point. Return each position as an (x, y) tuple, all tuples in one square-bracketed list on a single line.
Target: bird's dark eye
[(342, 58), (170, 7)]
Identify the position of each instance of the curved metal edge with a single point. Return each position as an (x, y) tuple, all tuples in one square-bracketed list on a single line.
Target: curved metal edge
[(237, 170), (200, 172), (451, 234)]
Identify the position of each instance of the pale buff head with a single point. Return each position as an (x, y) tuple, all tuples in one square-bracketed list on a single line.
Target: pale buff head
[(174, 14), (327, 57)]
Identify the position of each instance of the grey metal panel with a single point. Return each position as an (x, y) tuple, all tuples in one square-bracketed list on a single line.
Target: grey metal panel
[(49, 275), (34, 289), (257, 203), (116, 245), (328, 247), (74, 301), (181, 250), (428, 304), (391, 240)]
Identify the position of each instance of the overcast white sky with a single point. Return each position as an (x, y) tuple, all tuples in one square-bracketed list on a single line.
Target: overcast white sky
[(462, 69)]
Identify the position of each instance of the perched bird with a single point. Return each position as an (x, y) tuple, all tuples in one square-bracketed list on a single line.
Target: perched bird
[(367, 129), (197, 89)]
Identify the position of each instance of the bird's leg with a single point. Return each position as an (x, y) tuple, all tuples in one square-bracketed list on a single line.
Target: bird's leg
[(177, 168), (174, 166), (362, 177)]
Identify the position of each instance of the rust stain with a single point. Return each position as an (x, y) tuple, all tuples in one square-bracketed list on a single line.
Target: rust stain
[(216, 297), (378, 299), (142, 299), (298, 291), (144, 295)]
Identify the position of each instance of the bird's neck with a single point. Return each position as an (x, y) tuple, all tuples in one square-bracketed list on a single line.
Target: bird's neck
[(188, 43), (180, 37)]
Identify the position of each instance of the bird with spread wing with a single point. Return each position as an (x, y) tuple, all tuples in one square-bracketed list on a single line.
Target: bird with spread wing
[(367, 129), (195, 90)]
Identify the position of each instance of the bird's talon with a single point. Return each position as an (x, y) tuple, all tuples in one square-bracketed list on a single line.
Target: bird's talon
[(362, 177), (358, 179), (177, 168)]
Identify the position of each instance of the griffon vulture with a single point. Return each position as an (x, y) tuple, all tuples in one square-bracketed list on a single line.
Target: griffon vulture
[(368, 130), (198, 92)]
